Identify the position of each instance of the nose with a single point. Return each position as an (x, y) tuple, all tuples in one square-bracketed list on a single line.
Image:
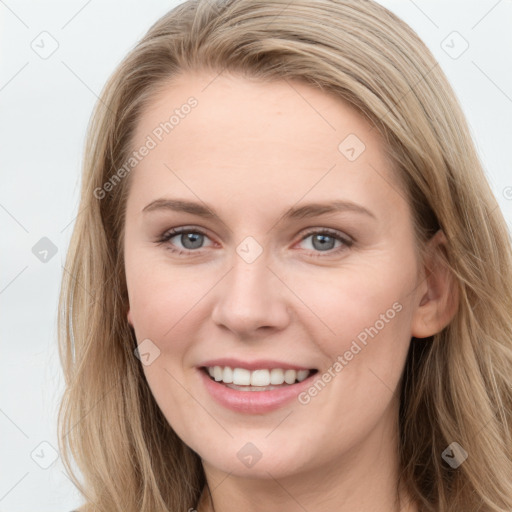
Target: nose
[(251, 300)]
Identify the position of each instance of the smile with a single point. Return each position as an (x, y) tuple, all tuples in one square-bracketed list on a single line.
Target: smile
[(263, 379), (257, 390)]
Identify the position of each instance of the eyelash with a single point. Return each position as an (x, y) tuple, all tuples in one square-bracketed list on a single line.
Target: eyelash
[(346, 241)]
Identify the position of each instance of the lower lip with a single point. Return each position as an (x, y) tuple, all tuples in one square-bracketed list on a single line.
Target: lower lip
[(253, 402)]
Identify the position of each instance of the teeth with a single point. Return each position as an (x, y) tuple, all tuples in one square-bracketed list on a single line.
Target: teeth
[(261, 378), (276, 376), (290, 376), (241, 377), (227, 376), (217, 373), (302, 374)]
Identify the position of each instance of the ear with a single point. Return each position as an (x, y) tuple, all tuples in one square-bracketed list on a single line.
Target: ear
[(438, 297), (129, 316)]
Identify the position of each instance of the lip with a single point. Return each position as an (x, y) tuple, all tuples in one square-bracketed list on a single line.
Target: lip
[(259, 364), (253, 402)]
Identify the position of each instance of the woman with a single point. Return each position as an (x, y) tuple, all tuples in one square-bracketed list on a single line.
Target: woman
[(289, 287)]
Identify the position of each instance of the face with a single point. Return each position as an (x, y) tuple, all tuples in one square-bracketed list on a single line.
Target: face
[(267, 238)]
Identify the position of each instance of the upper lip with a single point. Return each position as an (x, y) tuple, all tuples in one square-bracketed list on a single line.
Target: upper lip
[(258, 364)]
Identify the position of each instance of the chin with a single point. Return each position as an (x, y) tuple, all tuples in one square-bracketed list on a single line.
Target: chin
[(260, 458)]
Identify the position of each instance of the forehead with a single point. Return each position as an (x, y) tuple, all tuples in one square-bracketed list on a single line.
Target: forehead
[(227, 134), (230, 108)]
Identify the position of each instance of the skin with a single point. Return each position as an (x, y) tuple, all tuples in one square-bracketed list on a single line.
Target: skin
[(251, 151)]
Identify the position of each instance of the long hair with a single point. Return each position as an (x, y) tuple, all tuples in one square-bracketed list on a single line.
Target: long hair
[(456, 385)]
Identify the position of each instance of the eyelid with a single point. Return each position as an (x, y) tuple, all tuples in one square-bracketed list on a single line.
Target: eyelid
[(329, 231), (166, 236), (346, 240)]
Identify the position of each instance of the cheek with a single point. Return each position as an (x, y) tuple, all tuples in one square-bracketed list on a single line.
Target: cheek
[(165, 302), (348, 300), (368, 314), (363, 325), (163, 297)]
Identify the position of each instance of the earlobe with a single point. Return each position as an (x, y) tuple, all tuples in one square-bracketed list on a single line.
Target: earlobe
[(439, 301), (129, 317)]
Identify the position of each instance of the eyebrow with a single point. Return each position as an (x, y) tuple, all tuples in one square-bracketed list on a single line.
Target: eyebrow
[(300, 212)]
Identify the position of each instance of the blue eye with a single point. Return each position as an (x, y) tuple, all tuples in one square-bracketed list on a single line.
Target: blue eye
[(188, 238), (325, 241), (322, 241)]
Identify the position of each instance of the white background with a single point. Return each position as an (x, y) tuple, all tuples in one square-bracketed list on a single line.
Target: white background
[(45, 106)]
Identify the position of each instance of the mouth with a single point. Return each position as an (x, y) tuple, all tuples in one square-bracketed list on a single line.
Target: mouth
[(263, 379)]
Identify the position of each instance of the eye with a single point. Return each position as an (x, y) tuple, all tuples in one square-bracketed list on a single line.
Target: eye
[(186, 240), (327, 240), (183, 240)]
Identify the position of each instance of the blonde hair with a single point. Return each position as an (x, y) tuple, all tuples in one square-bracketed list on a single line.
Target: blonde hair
[(456, 385)]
